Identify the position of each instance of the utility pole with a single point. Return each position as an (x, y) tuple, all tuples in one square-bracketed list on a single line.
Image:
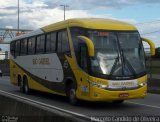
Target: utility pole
[(18, 17), (64, 6)]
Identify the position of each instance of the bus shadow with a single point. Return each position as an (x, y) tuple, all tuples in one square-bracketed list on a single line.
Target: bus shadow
[(81, 103), (49, 96)]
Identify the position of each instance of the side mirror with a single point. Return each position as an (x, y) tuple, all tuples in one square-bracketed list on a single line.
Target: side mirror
[(89, 44), (152, 46)]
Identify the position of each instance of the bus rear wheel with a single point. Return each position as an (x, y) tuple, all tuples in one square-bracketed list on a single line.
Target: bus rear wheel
[(71, 93), (27, 90), (21, 86)]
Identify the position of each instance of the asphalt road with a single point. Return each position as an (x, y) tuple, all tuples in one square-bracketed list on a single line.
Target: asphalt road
[(149, 106)]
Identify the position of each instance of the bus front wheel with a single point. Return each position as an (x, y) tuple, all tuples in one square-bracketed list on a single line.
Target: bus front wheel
[(71, 93)]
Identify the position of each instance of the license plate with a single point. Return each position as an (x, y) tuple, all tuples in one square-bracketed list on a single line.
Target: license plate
[(123, 95)]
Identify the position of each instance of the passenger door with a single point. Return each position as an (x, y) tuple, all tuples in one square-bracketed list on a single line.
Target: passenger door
[(83, 71)]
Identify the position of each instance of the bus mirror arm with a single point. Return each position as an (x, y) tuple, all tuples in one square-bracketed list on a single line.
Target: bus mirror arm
[(152, 46), (89, 44)]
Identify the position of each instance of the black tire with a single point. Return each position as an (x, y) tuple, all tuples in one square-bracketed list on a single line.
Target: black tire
[(118, 101), (71, 93), (27, 90)]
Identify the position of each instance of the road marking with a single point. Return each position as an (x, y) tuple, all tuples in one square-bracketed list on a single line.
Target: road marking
[(47, 105), (152, 106), (67, 111)]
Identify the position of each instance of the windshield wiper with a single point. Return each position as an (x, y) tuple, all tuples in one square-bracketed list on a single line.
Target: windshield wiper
[(114, 66), (127, 63)]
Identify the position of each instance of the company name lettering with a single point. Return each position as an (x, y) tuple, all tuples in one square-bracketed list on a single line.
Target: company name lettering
[(43, 61), (123, 84)]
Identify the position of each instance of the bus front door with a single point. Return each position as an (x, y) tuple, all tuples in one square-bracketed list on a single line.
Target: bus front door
[(83, 71)]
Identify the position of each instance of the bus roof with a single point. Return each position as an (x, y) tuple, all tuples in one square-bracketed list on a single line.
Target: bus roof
[(92, 23)]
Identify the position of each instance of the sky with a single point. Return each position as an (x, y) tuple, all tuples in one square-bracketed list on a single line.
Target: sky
[(144, 14)]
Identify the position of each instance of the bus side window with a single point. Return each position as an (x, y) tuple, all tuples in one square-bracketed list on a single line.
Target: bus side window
[(17, 50), (51, 42), (48, 43), (76, 31), (12, 49), (23, 47), (59, 43), (40, 44), (65, 42), (31, 45)]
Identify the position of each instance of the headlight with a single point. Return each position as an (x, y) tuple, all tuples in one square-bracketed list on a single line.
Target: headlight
[(142, 84), (98, 84)]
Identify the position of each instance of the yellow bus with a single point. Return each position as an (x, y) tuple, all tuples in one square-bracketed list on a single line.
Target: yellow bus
[(89, 59)]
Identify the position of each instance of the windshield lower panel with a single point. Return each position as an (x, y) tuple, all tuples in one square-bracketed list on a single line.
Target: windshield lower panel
[(118, 55)]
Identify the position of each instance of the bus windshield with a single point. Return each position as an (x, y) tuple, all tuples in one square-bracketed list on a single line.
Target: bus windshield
[(118, 54)]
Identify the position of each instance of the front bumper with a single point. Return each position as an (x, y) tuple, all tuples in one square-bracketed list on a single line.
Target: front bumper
[(98, 94)]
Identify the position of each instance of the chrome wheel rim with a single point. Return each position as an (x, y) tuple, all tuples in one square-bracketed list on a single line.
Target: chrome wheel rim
[(26, 88), (72, 95)]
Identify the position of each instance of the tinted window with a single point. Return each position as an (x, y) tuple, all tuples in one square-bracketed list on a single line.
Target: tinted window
[(40, 44), (76, 31), (51, 42), (17, 50), (31, 45), (23, 47), (83, 57), (63, 43), (12, 48), (59, 42)]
